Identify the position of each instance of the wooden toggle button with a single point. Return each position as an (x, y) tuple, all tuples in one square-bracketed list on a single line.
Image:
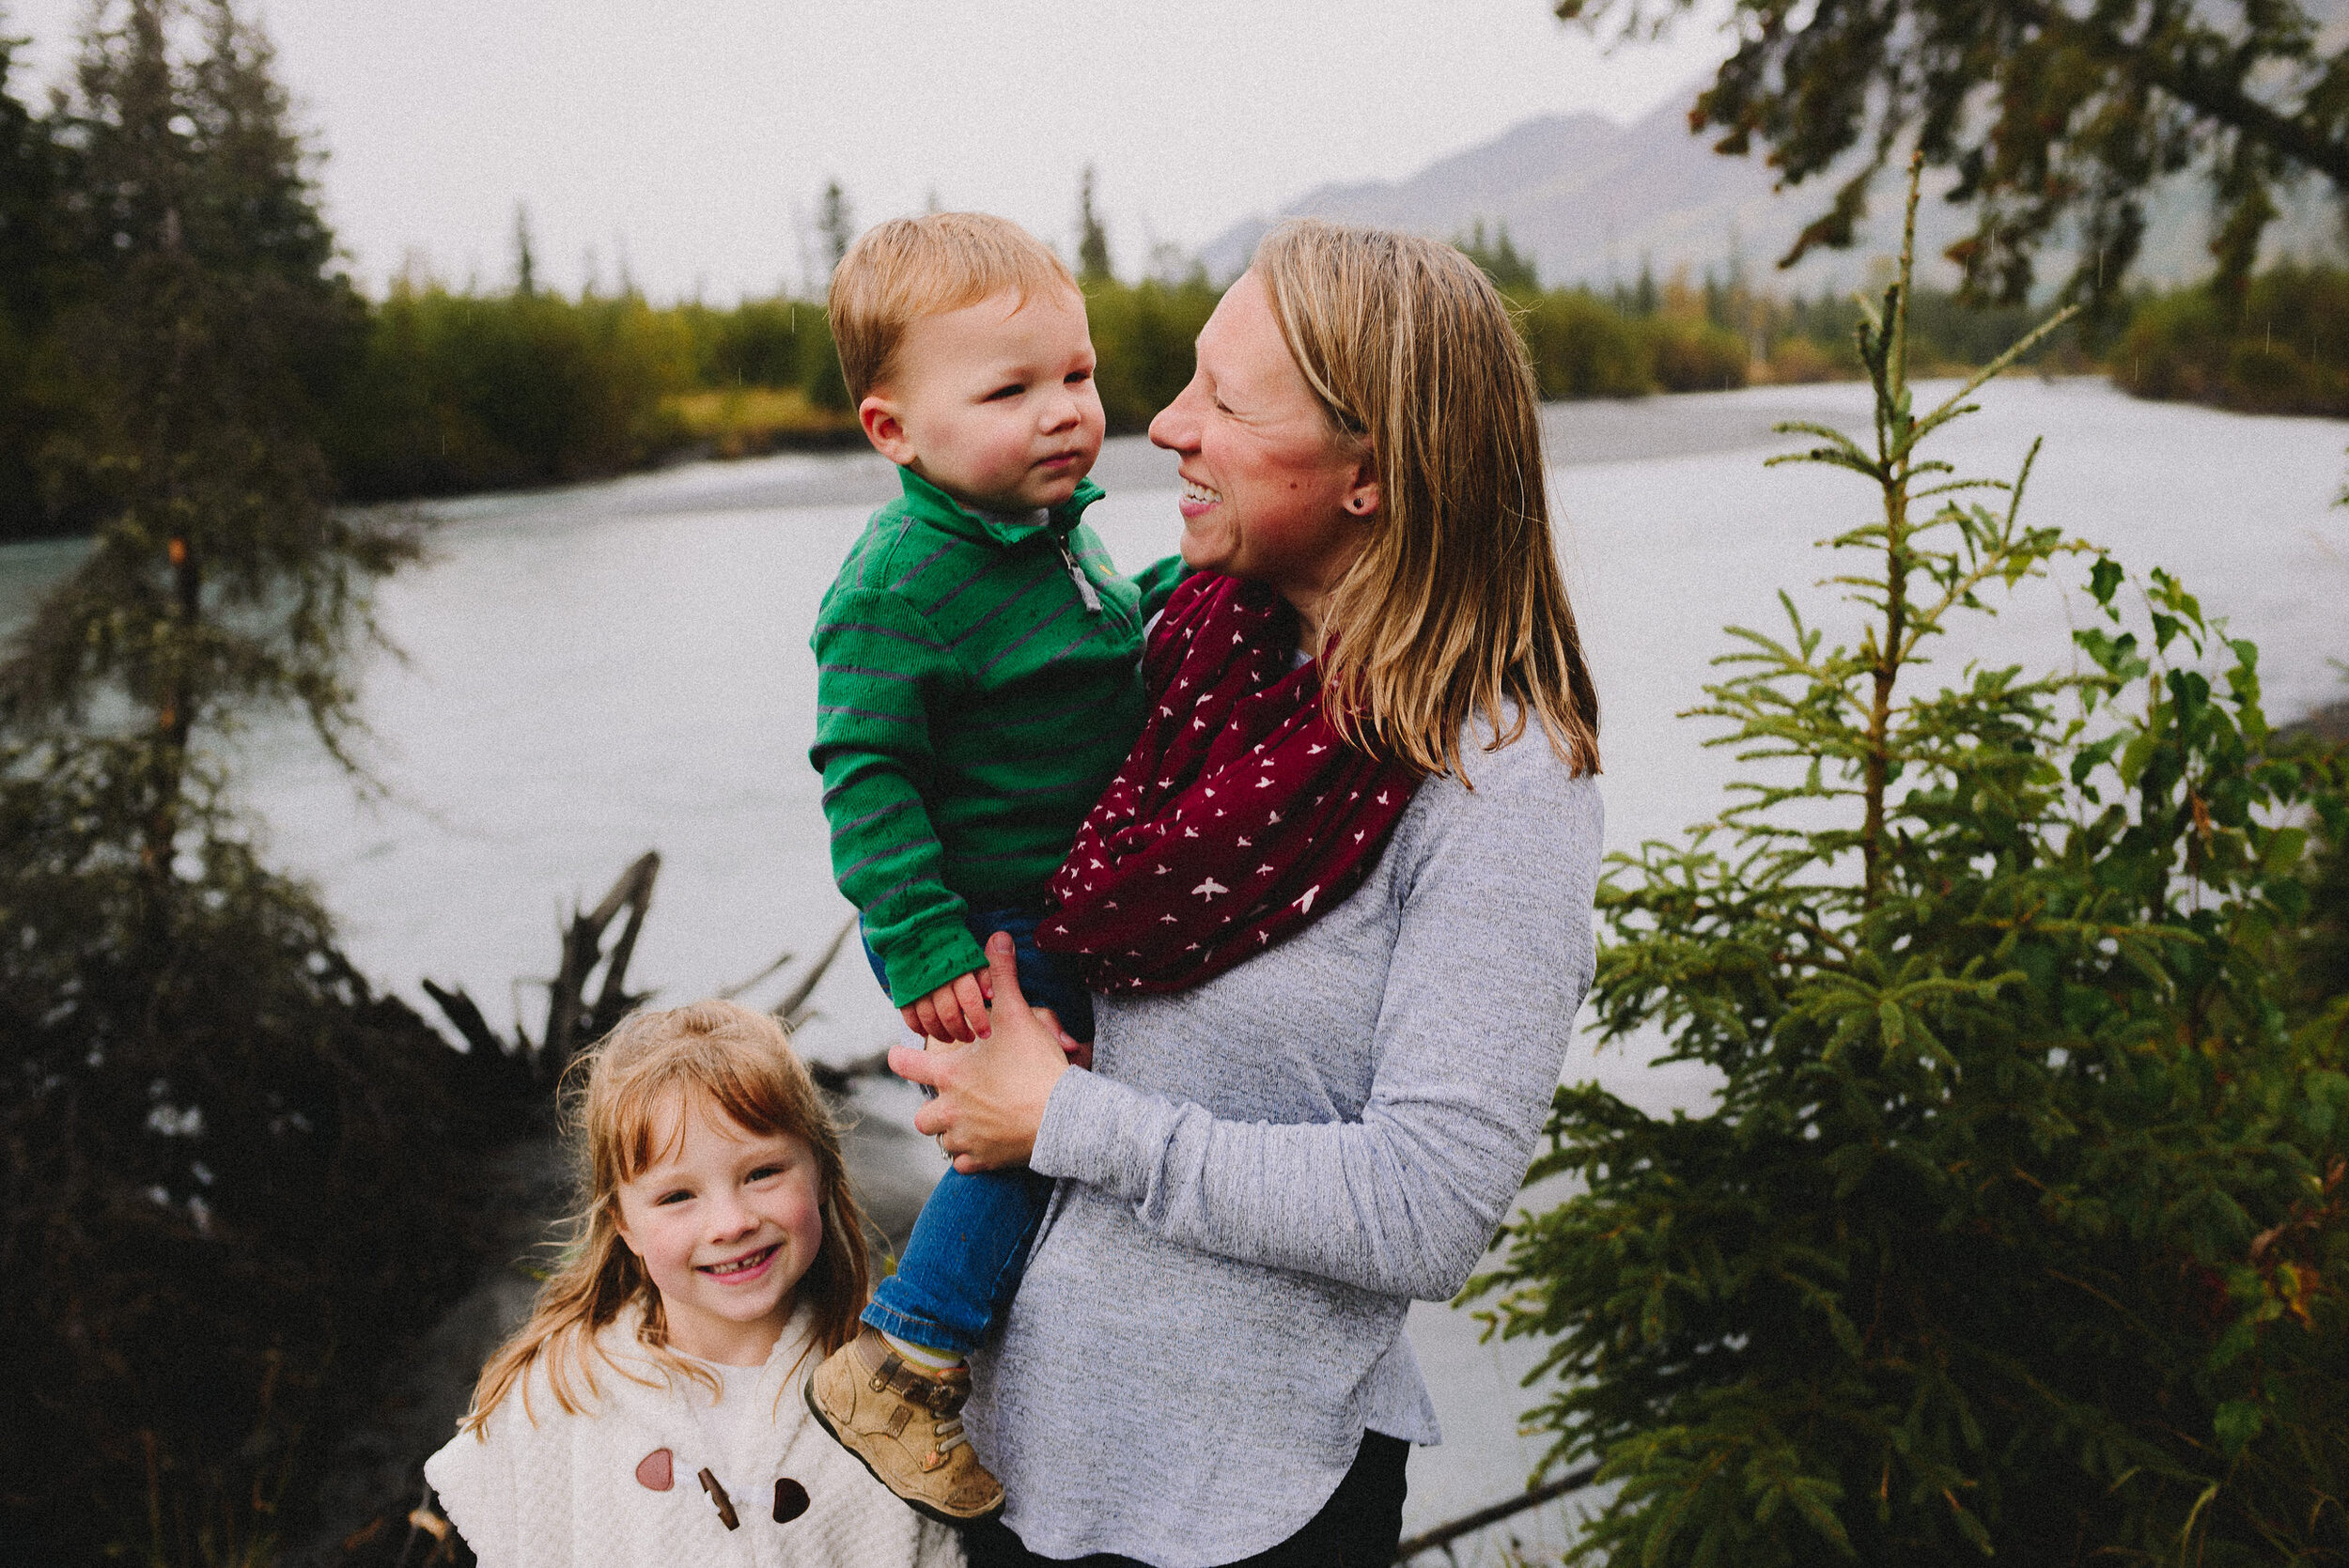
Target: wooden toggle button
[(718, 1495)]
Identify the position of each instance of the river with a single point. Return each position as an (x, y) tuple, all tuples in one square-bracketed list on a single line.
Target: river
[(596, 671)]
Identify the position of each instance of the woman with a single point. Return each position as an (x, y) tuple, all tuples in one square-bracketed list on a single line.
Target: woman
[(1314, 1095)]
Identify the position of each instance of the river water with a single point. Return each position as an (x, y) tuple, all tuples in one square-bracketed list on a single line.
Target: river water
[(592, 672)]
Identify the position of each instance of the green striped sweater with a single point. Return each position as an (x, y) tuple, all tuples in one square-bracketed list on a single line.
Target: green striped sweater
[(971, 702)]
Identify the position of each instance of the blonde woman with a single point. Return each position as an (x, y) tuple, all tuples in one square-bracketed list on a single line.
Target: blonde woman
[(1336, 909)]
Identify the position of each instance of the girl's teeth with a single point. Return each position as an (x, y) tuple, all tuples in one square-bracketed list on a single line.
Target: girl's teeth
[(739, 1264)]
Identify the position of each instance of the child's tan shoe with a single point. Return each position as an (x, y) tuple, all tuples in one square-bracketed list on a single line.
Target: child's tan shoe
[(904, 1423)]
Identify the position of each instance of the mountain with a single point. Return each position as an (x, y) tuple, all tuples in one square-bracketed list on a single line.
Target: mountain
[(1592, 200)]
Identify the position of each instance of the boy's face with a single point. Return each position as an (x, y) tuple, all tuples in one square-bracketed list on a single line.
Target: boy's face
[(993, 403)]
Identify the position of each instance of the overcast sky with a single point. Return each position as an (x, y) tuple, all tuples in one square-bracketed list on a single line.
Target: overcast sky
[(694, 135)]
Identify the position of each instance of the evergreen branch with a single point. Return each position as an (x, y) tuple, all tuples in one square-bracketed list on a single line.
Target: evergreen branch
[(1955, 405)]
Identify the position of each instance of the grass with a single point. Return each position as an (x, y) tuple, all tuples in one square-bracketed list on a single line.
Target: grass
[(741, 422)]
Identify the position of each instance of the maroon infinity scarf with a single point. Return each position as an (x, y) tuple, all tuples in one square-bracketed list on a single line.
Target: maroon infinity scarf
[(1238, 815)]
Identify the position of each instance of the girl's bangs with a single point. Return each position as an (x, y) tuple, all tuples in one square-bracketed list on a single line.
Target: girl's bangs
[(747, 1088)]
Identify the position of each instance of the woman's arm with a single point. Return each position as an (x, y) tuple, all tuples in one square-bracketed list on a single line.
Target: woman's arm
[(1489, 968)]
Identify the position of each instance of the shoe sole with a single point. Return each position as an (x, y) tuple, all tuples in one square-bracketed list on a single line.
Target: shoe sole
[(928, 1511)]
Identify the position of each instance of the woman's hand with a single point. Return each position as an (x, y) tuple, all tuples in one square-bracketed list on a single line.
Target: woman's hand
[(990, 1094)]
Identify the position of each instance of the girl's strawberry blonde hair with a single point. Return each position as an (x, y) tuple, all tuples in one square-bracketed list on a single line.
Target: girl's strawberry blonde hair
[(615, 1099)]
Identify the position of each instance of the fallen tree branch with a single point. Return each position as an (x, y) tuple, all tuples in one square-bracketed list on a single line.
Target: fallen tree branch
[(571, 1020), (1469, 1524), (839, 1080), (571, 1023), (793, 1010)]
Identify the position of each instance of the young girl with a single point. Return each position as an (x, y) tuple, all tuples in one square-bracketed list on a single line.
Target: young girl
[(648, 1413)]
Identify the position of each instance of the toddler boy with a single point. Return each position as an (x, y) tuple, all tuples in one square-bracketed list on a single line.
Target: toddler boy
[(978, 683)]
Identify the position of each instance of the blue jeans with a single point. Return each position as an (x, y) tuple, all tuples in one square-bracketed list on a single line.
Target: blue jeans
[(963, 1265)]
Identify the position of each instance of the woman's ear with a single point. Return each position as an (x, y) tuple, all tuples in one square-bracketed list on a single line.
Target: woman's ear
[(1363, 496)]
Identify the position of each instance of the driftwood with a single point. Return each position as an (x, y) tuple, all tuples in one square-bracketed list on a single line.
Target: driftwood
[(795, 1010), (574, 1022), (571, 1023)]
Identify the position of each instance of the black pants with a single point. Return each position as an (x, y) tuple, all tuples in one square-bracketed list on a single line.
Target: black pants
[(1358, 1528)]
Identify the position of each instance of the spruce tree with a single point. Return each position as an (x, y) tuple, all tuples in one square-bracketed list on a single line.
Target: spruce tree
[(32, 279), (525, 255), (222, 576), (827, 387), (2018, 1228), (228, 1169), (1093, 238)]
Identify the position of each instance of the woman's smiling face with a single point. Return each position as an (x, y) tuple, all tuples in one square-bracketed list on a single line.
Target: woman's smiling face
[(1270, 492), (727, 1221)]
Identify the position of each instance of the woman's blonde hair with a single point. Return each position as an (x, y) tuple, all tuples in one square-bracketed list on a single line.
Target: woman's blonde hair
[(618, 1101), (1456, 602)]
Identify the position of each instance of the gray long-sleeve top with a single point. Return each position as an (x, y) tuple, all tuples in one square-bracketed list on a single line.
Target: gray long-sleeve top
[(1262, 1172)]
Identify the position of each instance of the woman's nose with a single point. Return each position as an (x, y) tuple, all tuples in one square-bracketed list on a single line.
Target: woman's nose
[(1174, 428)]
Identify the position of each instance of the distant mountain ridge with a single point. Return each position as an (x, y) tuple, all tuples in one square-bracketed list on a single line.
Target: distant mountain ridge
[(1591, 201)]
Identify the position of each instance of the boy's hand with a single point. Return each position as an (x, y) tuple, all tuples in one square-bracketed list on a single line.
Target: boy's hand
[(1079, 1052), (955, 1010), (991, 1098)]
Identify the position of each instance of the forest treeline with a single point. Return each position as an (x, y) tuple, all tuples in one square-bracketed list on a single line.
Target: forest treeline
[(435, 389), (439, 389)]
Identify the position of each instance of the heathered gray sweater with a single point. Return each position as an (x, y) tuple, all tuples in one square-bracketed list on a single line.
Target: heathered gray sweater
[(1261, 1174)]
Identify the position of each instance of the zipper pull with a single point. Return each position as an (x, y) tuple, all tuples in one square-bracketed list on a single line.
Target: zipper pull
[(1077, 575)]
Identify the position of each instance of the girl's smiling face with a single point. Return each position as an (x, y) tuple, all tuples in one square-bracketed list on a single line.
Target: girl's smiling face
[(725, 1221)]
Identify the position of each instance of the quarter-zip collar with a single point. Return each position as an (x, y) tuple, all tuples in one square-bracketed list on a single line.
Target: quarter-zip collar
[(935, 507)]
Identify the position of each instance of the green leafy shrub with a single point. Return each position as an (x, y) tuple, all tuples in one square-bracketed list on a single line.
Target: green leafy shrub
[(458, 392), (2282, 348), (763, 343), (2018, 1226), (1142, 334), (1583, 347), (1696, 355)]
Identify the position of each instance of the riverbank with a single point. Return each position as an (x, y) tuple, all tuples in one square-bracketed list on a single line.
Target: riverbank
[(435, 392)]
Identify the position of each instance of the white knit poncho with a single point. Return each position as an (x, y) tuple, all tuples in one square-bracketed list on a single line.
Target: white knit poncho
[(563, 1491)]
